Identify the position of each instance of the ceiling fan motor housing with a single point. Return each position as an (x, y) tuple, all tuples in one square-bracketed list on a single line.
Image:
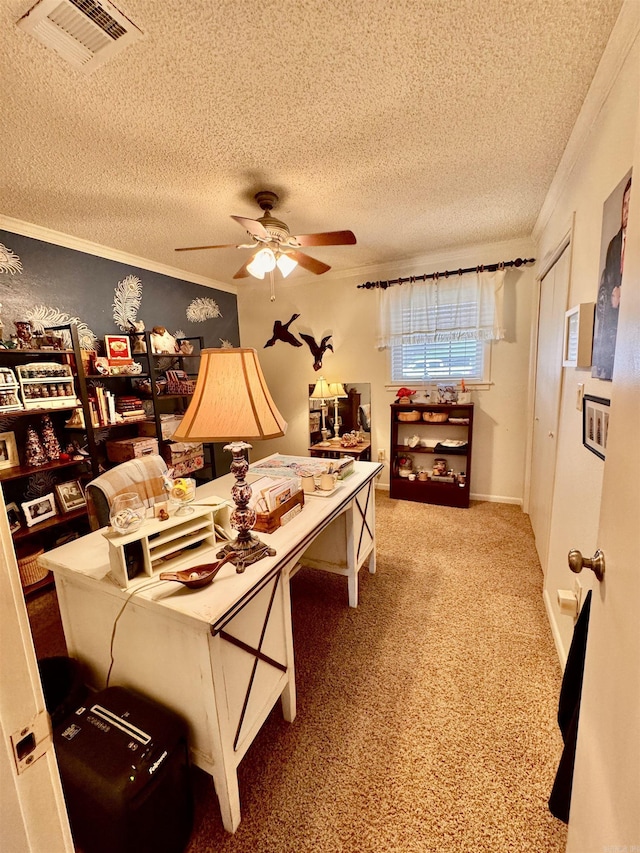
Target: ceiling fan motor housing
[(278, 229)]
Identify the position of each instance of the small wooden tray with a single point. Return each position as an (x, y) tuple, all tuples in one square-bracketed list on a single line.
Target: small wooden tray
[(268, 522)]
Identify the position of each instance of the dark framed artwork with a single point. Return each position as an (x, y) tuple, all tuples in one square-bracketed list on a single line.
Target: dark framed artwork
[(595, 424), (614, 227), (70, 496)]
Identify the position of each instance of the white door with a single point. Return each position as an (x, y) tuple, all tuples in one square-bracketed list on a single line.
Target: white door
[(605, 804), (33, 818), (554, 289)]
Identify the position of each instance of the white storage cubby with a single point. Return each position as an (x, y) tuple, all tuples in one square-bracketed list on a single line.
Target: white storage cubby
[(161, 546), (47, 385), (9, 399)]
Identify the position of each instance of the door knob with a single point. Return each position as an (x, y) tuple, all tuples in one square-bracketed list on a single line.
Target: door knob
[(577, 563)]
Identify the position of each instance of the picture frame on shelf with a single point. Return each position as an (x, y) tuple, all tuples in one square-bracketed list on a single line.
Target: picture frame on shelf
[(595, 424), (118, 349), (39, 509), (8, 450), (13, 516), (70, 496)]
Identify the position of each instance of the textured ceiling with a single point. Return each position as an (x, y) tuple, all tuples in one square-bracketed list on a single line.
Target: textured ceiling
[(418, 124)]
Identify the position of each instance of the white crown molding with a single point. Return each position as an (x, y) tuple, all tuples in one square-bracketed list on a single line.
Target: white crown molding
[(451, 259), (29, 229), (625, 32)]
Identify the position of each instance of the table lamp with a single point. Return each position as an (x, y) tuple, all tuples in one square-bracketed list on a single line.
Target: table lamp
[(232, 403), (321, 392), (337, 392)]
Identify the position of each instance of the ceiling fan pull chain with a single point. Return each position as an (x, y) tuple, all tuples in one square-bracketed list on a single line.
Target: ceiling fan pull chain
[(272, 282)]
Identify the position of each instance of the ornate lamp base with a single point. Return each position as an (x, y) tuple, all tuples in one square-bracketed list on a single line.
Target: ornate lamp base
[(248, 548)]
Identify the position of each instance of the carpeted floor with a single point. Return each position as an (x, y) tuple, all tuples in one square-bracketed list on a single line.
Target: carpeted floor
[(426, 716)]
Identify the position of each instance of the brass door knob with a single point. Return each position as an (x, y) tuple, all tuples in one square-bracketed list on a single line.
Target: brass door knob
[(577, 562)]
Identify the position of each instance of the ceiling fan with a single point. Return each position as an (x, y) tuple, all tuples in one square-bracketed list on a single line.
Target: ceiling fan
[(278, 248)]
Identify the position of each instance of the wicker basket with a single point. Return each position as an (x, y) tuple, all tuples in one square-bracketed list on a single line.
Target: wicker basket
[(29, 567), (435, 417), (408, 417)]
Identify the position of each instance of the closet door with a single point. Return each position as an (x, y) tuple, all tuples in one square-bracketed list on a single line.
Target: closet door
[(554, 290)]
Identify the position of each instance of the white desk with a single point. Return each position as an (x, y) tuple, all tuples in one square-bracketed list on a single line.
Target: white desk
[(220, 656)]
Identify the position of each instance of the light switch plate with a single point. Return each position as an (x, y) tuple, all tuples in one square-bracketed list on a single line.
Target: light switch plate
[(579, 396)]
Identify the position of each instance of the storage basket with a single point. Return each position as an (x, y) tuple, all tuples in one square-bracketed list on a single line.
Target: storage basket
[(435, 417), (407, 417), (29, 566)]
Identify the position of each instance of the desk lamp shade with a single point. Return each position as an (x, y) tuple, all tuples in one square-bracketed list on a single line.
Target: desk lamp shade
[(232, 403), (231, 400)]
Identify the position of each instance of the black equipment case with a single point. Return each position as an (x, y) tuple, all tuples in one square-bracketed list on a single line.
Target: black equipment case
[(124, 765)]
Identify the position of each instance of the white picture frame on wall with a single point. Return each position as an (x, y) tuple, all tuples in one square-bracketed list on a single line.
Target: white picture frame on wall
[(578, 335)]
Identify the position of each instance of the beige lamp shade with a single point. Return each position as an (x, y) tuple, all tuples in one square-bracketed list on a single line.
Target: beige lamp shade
[(231, 400), (336, 389), (321, 391)]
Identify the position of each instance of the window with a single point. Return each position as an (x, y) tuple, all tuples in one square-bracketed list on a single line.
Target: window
[(439, 332), (438, 362)]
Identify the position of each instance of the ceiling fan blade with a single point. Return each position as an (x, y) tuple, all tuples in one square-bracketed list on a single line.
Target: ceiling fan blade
[(254, 227), (196, 248), (243, 272), (309, 263), (328, 238)]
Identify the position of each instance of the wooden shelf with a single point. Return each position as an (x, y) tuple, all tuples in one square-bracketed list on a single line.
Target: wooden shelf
[(26, 532), (430, 491), (39, 586), (18, 471)]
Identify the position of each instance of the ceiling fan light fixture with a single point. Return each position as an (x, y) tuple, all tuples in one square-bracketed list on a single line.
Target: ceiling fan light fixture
[(263, 262), (286, 264)]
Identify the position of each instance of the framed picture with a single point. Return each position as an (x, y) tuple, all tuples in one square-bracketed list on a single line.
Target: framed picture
[(8, 450), (595, 424), (13, 515), (70, 495), (118, 348), (614, 228), (39, 509), (578, 335)]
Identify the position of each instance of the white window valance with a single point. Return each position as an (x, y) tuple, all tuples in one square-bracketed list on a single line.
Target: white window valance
[(460, 308)]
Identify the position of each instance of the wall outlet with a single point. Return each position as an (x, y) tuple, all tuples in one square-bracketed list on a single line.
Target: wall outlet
[(579, 396), (381, 456)]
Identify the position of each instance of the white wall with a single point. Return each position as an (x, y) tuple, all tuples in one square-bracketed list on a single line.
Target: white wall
[(605, 157), (331, 305)]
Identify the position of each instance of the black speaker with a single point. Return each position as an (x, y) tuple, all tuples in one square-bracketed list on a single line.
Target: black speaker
[(124, 765)]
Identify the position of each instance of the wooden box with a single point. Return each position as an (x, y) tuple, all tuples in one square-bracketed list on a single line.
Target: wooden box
[(184, 457), (168, 425), (268, 522), (131, 448)]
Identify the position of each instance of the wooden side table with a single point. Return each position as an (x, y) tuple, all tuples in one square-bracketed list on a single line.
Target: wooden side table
[(361, 452)]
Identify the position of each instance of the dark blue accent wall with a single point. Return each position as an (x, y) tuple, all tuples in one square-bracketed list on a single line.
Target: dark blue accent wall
[(82, 285)]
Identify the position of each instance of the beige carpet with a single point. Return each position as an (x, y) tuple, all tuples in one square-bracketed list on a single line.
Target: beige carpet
[(426, 717)]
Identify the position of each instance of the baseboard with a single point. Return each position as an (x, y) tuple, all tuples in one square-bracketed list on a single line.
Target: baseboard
[(551, 616), (497, 499)]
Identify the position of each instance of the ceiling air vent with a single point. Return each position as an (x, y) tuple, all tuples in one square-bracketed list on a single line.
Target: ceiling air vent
[(84, 32)]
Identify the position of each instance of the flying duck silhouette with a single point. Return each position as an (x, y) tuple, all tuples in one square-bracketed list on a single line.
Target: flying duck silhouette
[(317, 350), (281, 333)]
